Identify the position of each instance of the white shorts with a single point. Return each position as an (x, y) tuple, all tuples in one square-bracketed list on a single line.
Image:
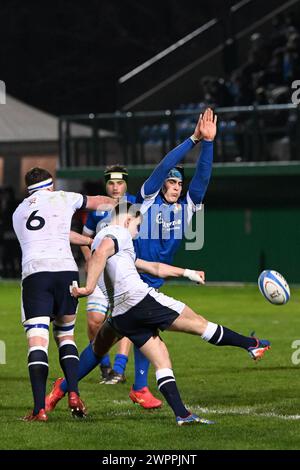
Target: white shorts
[(97, 302), (167, 301)]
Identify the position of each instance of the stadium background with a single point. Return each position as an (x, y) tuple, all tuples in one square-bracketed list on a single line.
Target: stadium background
[(230, 54), (105, 82)]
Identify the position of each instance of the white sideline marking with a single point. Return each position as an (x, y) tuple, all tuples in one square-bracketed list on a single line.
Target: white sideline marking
[(246, 411), (121, 402), (243, 411)]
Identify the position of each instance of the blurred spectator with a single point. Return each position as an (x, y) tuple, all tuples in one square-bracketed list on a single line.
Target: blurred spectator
[(273, 62), (291, 59)]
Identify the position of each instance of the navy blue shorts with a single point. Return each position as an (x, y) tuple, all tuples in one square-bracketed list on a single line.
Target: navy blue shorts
[(143, 321), (48, 294)]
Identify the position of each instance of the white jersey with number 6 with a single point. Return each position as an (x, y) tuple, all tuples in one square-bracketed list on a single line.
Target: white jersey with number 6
[(42, 223)]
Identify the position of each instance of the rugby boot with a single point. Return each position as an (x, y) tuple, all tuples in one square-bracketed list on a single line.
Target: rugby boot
[(40, 416), (55, 395), (192, 419), (76, 405), (144, 398), (114, 378), (257, 352)]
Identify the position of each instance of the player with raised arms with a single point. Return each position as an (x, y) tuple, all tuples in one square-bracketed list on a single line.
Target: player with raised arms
[(167, 214)]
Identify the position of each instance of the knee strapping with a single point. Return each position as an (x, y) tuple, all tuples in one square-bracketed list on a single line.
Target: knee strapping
[(38, 328), (61, 329), (94, 305)]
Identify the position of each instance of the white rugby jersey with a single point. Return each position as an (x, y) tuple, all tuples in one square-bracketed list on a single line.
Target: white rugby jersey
[(42, 223), (120, 282)]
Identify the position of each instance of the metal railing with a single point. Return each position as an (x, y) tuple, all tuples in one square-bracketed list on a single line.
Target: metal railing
[(245, 134), (217, 46)]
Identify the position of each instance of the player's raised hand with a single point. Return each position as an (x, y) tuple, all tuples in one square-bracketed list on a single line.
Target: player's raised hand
[(208, 125), (197, 132)]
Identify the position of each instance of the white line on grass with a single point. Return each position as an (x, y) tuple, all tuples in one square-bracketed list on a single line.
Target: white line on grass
[(243, 411)]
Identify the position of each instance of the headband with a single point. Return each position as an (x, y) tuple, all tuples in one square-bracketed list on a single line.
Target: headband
[(116, 175), (41, 185)]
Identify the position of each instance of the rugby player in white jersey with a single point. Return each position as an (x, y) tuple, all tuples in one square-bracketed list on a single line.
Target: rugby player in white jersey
[(42, 224), (139, 311)]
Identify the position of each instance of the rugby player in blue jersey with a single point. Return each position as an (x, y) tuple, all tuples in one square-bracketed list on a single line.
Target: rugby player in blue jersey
[(116, 177), (167, 213)]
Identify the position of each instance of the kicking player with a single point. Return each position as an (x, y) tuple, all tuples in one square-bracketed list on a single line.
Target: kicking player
[(42, 224), (139, 311), (116, 177), (162, 191)]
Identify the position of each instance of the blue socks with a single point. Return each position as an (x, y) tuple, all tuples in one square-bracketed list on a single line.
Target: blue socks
[(88, 361), (120, 363), (105, 361), (141, 368)]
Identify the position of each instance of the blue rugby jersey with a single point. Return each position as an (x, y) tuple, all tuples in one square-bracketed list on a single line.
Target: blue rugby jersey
[(163, 226), (96, 220)]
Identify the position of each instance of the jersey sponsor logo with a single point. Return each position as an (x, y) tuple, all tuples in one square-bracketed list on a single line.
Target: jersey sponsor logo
[(168, 225)]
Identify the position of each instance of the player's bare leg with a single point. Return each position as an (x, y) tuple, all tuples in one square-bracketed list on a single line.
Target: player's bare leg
[(94, 323), (190, 322), (110, 375)]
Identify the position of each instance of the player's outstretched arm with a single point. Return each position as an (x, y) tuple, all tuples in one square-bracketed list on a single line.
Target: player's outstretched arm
[(95, 267), (163, 270), (101, 203), (160, 173), (86, 250), (81, 240), (207, 128)]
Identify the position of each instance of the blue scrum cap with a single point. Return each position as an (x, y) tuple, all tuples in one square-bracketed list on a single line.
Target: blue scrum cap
[(176, 173)]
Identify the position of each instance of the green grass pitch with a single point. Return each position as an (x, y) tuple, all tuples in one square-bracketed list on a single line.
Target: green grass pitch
[(255, 405)]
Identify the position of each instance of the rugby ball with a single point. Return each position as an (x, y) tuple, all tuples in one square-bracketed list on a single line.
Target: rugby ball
[(274, 287)]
